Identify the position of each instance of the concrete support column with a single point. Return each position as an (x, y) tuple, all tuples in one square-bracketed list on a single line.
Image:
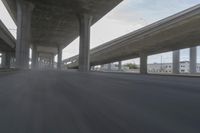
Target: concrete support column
[(101, 67), (143, 63), (120, 66), (24, 11), (12, 62), (49, 61), (52, 61), (109, 66), (193, 60), (92, 68), (3, 60), (34, 57), (7, 59), (84, 47), (37, 60), (59, 57), (176, 62)]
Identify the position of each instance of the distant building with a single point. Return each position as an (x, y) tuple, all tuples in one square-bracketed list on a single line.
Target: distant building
[(167, 67), (160, 68), (115, 67), (109, 67)]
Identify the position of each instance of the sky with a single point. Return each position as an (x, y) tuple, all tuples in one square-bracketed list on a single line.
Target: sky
[(128, 16)]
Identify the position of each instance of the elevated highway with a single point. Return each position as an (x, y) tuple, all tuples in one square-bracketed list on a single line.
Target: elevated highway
[(55, 22), (49, 25), (179, 31), (7, 41), (7, 46)]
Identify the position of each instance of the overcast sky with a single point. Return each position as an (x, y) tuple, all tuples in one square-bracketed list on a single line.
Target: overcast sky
[(126, 17)]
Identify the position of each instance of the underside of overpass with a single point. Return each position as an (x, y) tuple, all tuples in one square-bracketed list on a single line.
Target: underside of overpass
[(47, 26)]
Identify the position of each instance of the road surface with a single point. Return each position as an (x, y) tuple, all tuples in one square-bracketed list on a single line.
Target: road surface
[(73, 102)]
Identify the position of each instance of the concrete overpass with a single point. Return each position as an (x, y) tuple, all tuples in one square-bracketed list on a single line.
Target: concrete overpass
[(7, 45), (179, 31), (49, 26)]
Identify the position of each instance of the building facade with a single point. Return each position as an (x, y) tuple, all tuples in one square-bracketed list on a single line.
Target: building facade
[(167, 67)]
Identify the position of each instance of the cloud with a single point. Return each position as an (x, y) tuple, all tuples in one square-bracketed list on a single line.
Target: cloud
[(149, 11)]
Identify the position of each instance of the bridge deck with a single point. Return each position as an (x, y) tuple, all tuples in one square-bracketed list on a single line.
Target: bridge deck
[(73, 102)]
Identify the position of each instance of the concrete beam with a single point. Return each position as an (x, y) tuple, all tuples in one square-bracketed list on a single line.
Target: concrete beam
[(84, 47)]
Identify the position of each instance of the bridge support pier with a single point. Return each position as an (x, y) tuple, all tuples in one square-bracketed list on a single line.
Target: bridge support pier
[(92, 68), (143, 63), (52, 61), (6, 58), (109, 66), (34, 57), (176, 62), (193, 60), (119, 66), (24, 11), (59, 62), (84, 46), (3, 59)]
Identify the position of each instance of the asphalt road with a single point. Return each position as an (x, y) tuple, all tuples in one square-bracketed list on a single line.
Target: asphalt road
[(73, 102)]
